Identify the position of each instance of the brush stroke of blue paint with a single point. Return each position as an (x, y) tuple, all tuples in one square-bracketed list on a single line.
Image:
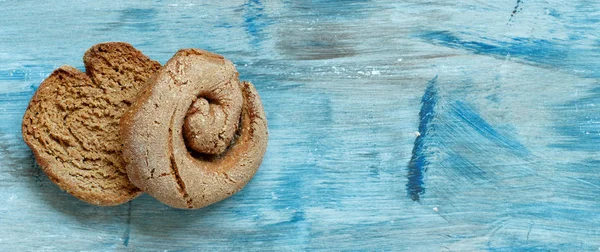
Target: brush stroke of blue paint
[(554, 53), (465, 113), (127, 234), (461, 116), (535, 50), (416, 166), (255, 20), (512, 15)]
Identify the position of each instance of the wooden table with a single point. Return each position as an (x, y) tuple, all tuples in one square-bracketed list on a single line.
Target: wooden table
[(413, 125)]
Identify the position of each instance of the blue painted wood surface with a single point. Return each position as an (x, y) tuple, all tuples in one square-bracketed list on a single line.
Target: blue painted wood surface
[(413, 125)]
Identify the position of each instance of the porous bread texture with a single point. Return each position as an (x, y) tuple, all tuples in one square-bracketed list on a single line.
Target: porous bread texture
[(72, 122)]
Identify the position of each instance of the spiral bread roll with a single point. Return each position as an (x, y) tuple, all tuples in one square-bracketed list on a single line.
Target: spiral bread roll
[(72, 122), (196, 135)]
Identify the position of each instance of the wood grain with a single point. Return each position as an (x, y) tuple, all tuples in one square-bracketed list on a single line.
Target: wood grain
[(504, 96)]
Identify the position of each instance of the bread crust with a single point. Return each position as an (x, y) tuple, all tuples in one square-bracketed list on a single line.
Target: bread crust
[(160, 159)]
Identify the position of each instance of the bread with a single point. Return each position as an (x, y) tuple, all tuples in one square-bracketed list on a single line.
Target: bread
[(196, 135), (72, 122)]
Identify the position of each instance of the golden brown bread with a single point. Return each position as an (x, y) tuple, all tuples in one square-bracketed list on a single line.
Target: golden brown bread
[(72, 122), (196, 135)]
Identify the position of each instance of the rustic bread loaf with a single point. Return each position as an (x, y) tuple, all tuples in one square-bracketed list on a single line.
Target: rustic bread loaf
[(196, 135), (72, 122)]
